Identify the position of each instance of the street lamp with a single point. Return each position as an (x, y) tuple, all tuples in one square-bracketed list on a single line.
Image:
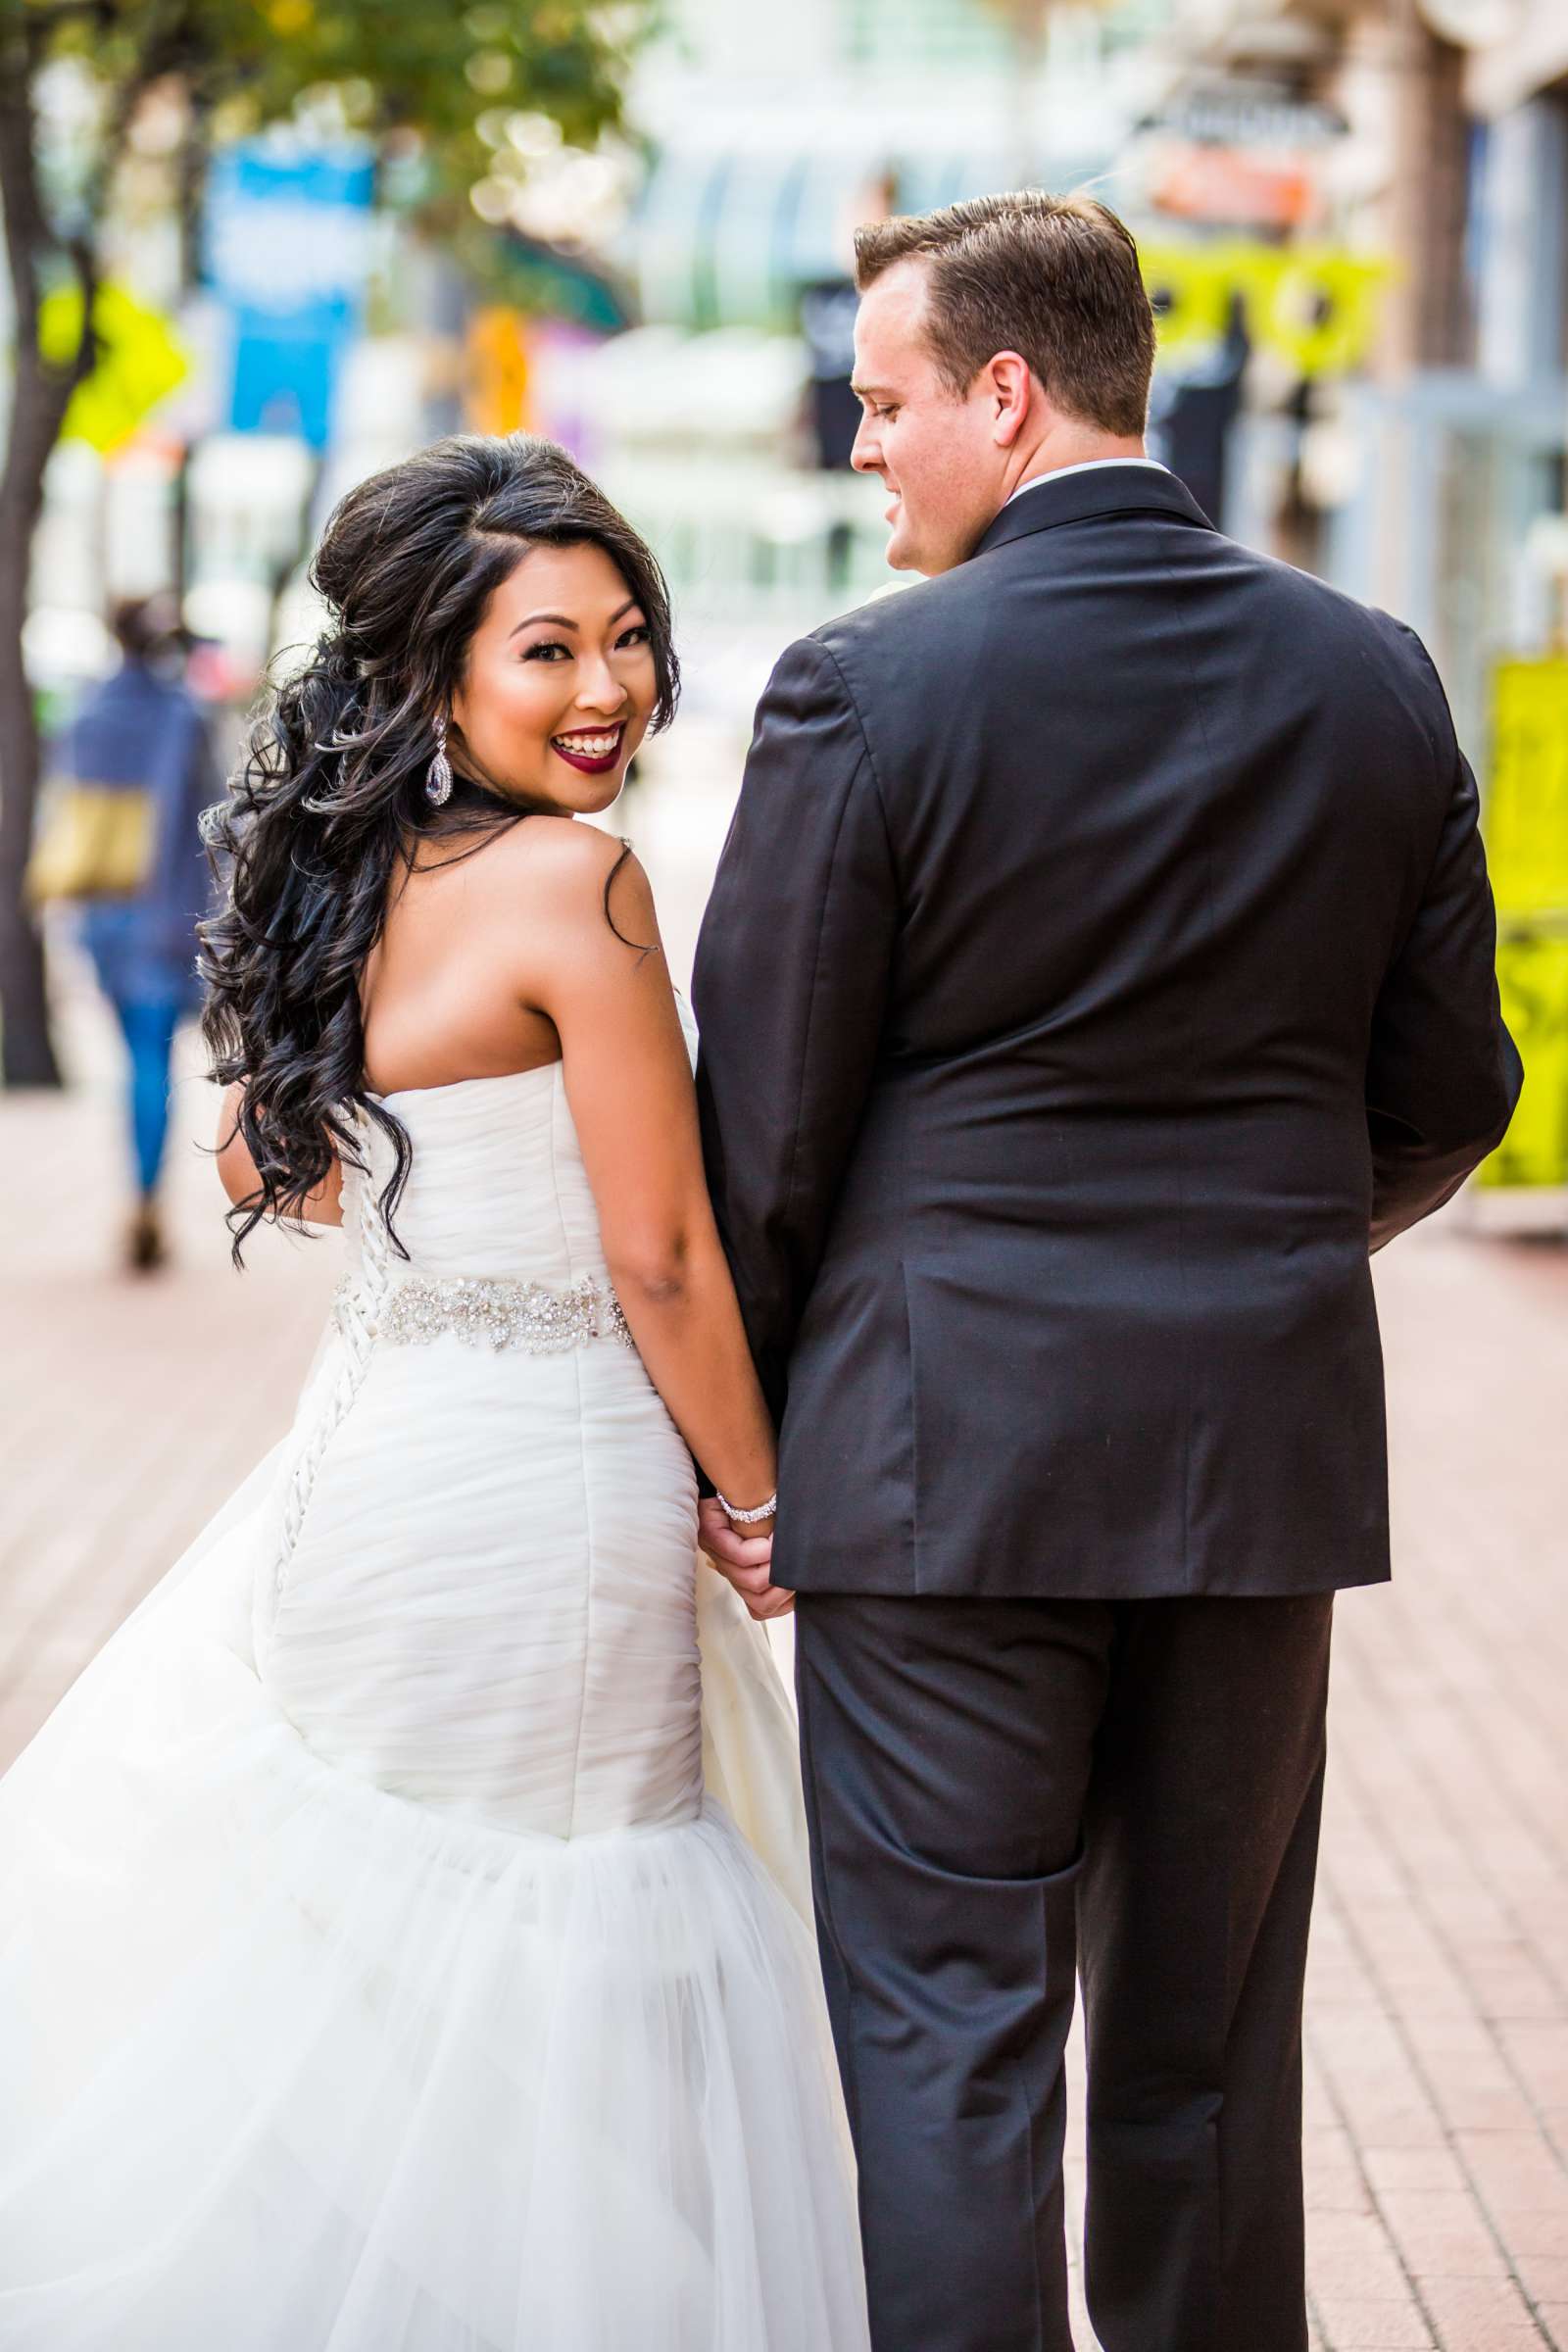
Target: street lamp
[(1026, 20)]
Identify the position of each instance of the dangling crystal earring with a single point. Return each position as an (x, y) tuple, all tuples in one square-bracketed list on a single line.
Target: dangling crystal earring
[(438, 777)]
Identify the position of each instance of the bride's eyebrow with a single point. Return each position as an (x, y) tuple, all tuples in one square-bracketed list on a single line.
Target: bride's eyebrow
[(561, 622), (560, 619)]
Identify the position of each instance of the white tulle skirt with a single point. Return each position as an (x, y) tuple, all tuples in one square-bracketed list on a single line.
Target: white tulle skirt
[(291, 2064)]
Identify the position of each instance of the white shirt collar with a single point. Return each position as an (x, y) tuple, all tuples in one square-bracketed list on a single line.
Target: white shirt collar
[(1060, 473)]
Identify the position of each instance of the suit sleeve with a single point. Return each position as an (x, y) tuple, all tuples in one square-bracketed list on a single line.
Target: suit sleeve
[(790, 989), (1442, 1073)]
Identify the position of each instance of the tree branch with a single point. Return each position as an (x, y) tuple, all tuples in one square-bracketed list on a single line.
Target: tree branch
[(168, 36), (47, 19)]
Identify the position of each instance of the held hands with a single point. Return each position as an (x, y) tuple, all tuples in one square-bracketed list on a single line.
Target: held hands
[(745, 1558)]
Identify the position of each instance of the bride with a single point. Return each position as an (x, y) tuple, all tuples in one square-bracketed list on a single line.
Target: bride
[(381, 1966)]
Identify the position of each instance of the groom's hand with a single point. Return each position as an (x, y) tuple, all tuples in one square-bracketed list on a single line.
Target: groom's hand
[(746, 1560)]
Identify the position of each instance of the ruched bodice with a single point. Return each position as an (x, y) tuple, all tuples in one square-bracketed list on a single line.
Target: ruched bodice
[(483, 1594), (497, 1185)]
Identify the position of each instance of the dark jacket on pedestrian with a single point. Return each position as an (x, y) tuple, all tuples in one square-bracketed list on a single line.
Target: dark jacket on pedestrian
[(144, 732)]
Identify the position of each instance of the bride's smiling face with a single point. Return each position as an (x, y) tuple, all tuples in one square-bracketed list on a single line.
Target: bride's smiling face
[(558, 685)]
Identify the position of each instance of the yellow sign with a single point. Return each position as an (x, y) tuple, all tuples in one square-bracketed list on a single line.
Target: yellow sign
[(1192, 297), (1315, 306), (496, 371), (140, 360), (1525, 818), (1533, 981), (1526, 813)]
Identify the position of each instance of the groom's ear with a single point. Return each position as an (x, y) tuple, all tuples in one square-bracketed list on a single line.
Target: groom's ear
[(1011, 389)]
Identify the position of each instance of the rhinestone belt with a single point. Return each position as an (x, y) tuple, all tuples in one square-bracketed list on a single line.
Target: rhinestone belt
[(490, 1313)]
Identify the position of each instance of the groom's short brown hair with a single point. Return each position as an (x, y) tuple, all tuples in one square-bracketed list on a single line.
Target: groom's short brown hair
[(1055, 278)]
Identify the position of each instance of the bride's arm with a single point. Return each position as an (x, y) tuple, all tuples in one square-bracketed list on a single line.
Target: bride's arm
[(629, 1083), (236, 1169)]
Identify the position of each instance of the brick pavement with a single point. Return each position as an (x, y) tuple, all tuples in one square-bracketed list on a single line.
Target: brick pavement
[(128, 1408), (1438, 2009), (1438, 2023)]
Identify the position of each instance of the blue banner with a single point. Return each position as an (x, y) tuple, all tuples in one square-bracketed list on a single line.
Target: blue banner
[(288, 232)]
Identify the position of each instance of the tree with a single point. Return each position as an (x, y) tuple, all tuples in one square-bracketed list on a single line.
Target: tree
[(417, 79)]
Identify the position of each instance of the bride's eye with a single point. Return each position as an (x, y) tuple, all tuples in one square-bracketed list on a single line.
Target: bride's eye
[(545, 650), (641, 634)]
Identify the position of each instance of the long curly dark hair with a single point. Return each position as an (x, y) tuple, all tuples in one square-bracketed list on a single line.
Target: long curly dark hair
[(330, 797)]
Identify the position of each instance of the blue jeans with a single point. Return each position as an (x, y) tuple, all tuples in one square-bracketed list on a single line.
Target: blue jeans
[(149, 1024)]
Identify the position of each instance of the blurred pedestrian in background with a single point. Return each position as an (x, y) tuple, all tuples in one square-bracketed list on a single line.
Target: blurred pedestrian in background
[(122, 838)]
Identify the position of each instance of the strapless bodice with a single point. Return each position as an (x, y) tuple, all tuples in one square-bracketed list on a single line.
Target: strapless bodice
[(483, 1592), (497, 1188)]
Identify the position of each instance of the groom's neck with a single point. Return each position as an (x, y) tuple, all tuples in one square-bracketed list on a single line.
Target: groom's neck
[(1073, 445)]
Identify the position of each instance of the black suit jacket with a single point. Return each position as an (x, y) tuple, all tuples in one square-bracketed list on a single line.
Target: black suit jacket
[(1100, 960)]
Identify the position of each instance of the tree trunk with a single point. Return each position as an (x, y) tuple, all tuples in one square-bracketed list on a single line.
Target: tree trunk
[(40, 397), (192, 166), (27, 1055), (38, 405)]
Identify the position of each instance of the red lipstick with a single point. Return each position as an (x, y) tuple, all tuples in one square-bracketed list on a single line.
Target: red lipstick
[(600, 759)]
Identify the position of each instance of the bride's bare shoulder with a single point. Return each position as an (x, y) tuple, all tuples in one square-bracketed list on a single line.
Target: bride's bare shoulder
[(560, 869), (562, 849)]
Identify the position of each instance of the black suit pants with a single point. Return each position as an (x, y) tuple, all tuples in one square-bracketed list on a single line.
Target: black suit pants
[(1003, 1793)]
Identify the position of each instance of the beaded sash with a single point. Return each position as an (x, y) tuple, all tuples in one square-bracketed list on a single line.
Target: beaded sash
[(488, 1312)]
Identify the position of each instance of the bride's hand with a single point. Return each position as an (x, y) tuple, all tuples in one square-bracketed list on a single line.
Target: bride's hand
[(745, 1560)]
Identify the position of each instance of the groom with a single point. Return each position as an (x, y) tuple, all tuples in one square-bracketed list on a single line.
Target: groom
[(1099, 965)]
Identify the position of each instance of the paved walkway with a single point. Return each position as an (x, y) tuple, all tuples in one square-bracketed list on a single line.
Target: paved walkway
[(1438, 2013), (1438, 2062)]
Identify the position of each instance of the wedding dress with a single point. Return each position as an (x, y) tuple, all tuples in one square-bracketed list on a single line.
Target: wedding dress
[(381, 1967)]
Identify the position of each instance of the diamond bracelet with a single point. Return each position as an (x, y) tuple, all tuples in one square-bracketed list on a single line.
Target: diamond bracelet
[(747, 1518)]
